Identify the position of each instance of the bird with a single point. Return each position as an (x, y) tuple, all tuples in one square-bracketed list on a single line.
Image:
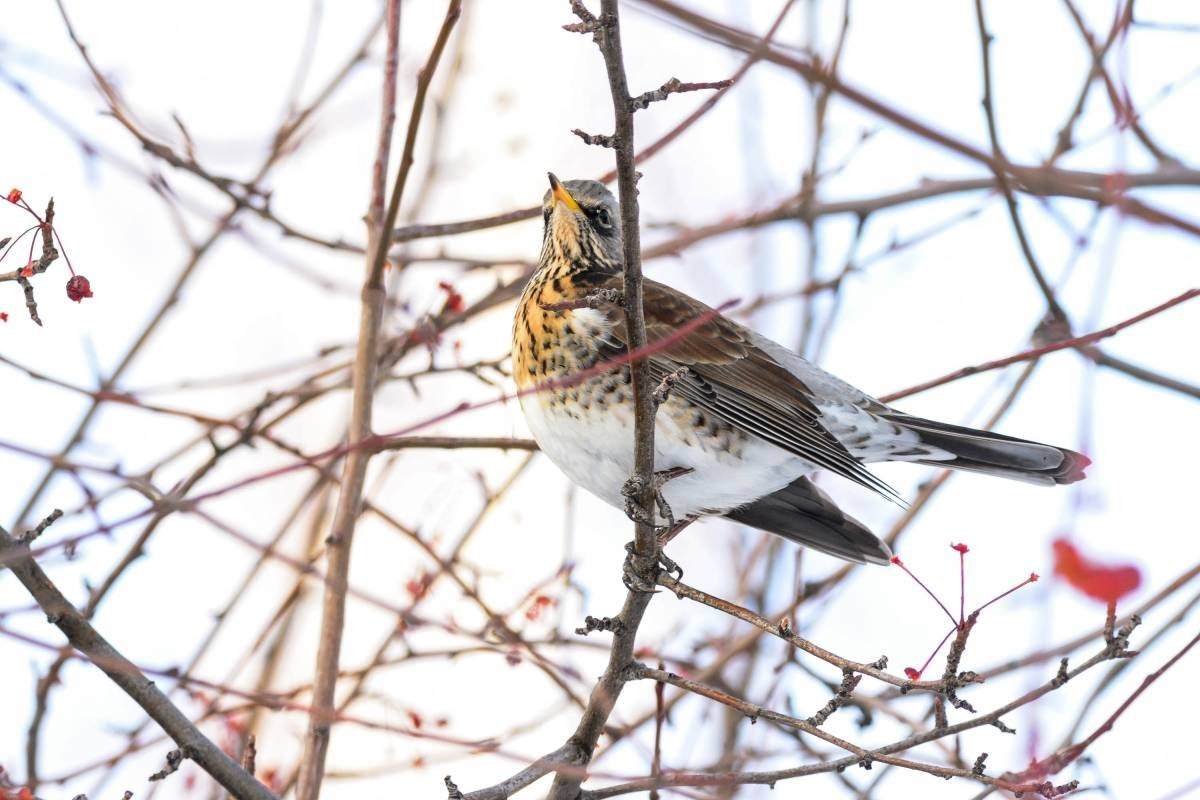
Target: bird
[(745, 422)]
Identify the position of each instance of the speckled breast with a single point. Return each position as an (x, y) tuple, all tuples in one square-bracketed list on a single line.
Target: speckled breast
[(553, 346)]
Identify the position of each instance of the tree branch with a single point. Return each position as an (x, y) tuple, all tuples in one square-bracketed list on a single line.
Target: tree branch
[(1010, 200), (1036, 352), (366, 363), (125, 674), (644, 558)]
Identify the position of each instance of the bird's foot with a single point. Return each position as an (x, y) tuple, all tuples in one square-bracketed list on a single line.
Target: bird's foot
[(636, 574), (668, 566), (632, 492), (633, 509), (640, 575)]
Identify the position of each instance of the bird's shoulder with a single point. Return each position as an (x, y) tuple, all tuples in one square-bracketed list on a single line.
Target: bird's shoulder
[(710, 337)]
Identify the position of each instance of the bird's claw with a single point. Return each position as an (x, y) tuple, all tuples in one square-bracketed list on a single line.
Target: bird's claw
[(642, 577), (634, 575), (669, 567), (632, 492)]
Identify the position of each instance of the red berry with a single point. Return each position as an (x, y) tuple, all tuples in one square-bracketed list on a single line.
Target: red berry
[(962, 548), (912, 674), (3, 316), (14, 195), (78, 288)]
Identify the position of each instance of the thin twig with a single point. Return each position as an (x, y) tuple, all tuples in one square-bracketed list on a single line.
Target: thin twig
[(1037, 352), (1056, 311)]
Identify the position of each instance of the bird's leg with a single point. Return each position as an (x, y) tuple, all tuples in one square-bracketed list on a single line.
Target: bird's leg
[(631, 576), (634, 578), (632, 490), (668, 566), (664, 511), (665, 535)]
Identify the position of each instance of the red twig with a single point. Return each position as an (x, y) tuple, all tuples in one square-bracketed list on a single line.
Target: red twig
[(1037, 352)]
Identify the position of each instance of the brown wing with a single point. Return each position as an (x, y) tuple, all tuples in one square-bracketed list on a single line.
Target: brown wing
[(733, 379)]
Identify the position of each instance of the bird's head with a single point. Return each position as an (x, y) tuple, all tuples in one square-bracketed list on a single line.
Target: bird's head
[(582, 224)]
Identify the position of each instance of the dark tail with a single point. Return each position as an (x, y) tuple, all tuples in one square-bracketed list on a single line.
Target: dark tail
[(994, 454), (807, 516)]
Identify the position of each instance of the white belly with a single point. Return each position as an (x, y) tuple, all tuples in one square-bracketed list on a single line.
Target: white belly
[(596, 452)]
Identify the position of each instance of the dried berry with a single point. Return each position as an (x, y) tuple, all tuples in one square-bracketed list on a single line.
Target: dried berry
[(78, 288)]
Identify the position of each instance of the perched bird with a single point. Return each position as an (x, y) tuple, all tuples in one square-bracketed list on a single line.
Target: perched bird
[(743, 426)]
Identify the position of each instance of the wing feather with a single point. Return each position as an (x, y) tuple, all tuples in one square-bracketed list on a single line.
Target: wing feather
[(733, 378)]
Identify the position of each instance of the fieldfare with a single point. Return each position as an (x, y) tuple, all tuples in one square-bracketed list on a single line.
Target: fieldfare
[(744, 425)]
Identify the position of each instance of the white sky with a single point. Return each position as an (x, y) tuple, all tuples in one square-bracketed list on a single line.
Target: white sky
[(961, 297)]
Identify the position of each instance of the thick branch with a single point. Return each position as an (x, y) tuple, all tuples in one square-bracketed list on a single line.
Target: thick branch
[(645, 554), (84, 638), (333, 611), (455, 443)]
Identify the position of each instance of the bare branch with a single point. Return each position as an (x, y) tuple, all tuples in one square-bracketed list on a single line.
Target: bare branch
[(985, 39), (598, 299), (597, 139), (1037, 352), (673, 86), (366, 363), (30, 536), (84, 638)]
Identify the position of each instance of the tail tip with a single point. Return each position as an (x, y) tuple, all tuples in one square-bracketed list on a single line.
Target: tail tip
[(1072, 468)]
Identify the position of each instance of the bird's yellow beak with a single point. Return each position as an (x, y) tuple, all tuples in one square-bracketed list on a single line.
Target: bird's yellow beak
[(561, 194)]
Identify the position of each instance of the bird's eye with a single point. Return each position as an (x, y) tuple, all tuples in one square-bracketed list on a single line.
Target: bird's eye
[(603, 218)]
